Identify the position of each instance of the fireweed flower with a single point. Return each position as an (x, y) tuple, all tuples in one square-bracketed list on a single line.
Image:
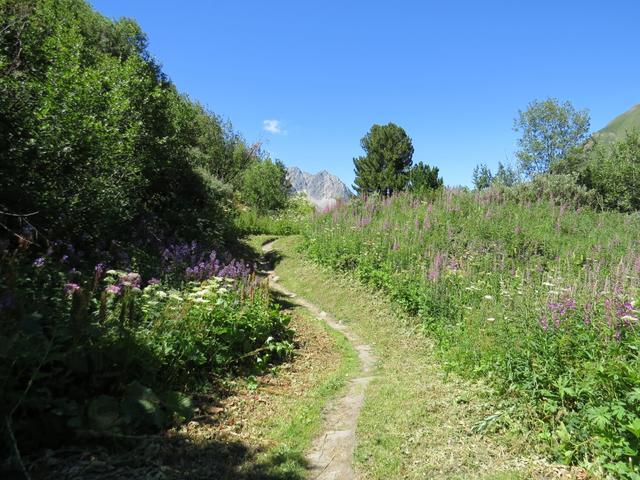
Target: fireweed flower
[(544, 323)]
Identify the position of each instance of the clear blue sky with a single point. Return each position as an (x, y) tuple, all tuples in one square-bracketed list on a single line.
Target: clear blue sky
[(452, 74)]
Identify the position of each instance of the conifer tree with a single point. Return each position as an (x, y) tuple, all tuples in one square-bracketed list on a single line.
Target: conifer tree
[(385, 167)]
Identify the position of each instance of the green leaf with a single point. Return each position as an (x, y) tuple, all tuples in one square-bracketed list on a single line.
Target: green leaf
[(178, 403), (103, 412), (141, 405), (634, 427)]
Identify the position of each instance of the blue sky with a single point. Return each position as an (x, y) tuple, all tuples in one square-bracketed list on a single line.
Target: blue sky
[(309, 78)]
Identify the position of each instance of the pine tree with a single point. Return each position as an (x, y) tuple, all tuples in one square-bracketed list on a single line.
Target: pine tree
[(385, 167)]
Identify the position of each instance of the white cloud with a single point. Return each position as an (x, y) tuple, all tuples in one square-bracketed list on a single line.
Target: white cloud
[(273, 126)]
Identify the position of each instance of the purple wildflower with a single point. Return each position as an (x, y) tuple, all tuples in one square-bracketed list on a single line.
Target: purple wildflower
[(100, 268), (113, 289), (39, 262), (64, 259), (544, 323), (153, 281), (436, 266), (69, 288), (131, 279)]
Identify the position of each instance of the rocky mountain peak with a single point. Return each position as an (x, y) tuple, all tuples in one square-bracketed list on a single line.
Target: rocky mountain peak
[(322, 188)]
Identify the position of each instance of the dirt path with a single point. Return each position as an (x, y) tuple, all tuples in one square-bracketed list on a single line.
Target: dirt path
[(331, 456)]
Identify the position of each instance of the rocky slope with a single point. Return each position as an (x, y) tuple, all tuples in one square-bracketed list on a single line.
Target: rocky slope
[(322, 188)]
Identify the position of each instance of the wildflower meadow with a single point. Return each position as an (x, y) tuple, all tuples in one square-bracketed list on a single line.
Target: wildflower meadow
[(539, 298)]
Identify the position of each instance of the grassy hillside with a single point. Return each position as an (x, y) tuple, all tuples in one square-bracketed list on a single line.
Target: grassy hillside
[(616, 129), (537, 298)]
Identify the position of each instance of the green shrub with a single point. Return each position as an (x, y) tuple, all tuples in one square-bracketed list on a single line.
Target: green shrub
[(561, 189), (614, 172), (100, 352), (265, 187), (288, 221)]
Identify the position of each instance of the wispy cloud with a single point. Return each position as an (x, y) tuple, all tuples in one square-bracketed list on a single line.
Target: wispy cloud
[(273, 126)]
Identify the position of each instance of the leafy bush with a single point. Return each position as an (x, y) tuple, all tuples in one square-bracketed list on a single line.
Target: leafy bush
[(614, 172), (97, 350), (536, 296), (103, 162), (288, 221), (560, 189), (265, 187), (97, 141)]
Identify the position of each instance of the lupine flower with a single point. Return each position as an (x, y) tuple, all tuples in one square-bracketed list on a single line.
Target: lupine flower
[(39, 262), (100, 268), (64, 259)]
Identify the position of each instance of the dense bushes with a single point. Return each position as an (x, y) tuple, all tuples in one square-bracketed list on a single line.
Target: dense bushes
[(95, 139), (99, 350), (536, 296), (613, 171), (560, 189), (287, 221), (108, 318)]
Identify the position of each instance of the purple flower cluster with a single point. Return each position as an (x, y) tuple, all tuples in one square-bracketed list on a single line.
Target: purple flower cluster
[(113, 289), (176, 257), (131, 279), (363, 222), (438, 263), (214, 267), (69, 288), (559, 310)]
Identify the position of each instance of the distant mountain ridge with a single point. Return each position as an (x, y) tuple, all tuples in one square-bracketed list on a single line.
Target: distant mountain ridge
[(322, 188), (619, 126)]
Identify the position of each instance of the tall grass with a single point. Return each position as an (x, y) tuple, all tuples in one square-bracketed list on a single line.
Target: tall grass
[(535, 296)]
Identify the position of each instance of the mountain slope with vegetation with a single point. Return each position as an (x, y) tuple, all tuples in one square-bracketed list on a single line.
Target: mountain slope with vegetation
[(620, 126)]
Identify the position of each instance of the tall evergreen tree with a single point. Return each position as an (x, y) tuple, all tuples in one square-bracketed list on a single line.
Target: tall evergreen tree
[(385, 167), (424, 178)]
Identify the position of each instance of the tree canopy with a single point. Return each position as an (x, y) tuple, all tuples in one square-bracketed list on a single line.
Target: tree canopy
[(549, 131), (265, 186), (389, 156), (424, 178)]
